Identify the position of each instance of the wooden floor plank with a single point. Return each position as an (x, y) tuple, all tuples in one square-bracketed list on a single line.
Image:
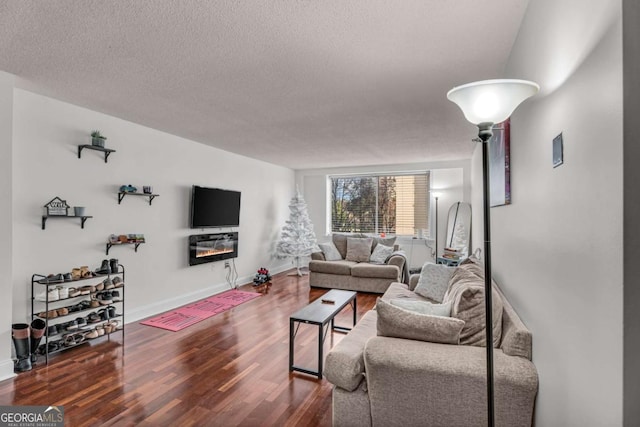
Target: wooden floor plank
[(228, 370)]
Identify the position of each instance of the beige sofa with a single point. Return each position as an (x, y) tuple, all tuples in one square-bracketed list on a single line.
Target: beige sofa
[(352, 275), (384, 381)]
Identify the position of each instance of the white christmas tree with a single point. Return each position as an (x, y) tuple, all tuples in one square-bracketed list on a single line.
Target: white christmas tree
[(297, 238)]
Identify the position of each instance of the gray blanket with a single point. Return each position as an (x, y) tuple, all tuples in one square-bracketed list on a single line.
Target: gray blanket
[(404, 274)]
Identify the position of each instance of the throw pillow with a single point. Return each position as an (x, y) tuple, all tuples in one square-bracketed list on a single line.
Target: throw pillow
[(340, 240), (330, 251), (434, 281), (387, 241), (424, 307), (399, 323), (380, 254), (358, 249), (466, 294)]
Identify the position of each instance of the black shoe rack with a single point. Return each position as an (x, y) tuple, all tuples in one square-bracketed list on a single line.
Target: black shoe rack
[(66, 339)]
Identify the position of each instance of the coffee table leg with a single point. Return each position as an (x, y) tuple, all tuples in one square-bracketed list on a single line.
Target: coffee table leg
[(320, 347), (291, 338), (355, 310)]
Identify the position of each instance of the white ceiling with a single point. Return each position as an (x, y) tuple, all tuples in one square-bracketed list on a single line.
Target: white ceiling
[(300, 83)]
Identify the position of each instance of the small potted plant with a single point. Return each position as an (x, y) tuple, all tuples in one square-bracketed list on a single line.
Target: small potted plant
[(97, 139)]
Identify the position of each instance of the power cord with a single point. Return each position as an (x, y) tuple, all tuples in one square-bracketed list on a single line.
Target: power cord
[(232, 274)]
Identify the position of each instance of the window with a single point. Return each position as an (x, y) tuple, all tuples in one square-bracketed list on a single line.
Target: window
[(395, 204)]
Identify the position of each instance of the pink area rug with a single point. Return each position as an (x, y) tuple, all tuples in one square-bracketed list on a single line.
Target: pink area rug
[(182, 317)]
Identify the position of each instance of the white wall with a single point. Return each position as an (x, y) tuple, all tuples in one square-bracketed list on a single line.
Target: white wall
[(46, 135), (6, 193), (450, 179), (557, 249)]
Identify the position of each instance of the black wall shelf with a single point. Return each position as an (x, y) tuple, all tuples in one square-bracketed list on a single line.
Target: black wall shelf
[(106, 151), (110, 245), (83, 219), (121, 195)]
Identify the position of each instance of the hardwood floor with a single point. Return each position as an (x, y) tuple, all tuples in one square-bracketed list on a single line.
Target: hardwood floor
[(229, 370)]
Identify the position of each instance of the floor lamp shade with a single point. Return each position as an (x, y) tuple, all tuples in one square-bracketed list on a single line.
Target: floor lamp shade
[(485, 103), (491, 101)]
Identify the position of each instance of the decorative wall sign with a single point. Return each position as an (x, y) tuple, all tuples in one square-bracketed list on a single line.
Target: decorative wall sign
[(500, 165), (558, 156), (57, 207)]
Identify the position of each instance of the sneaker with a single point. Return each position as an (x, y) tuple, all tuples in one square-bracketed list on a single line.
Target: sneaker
[(117, 282), (105, 297), (63, 311), (71, 326), (116, 296), (54, 295), (73, 292), (108, 284), (63, 292), (91, 335), (81, 322), (52, 278), (67, 277)]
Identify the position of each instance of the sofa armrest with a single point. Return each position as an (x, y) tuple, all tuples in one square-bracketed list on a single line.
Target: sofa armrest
[(396, 260), (413, 281), (318, 256), (414, 382)]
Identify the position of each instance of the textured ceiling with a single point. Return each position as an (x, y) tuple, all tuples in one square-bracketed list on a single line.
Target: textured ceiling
[(300, 83)]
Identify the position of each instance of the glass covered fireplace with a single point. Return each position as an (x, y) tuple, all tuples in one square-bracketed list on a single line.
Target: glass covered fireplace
[(212, 247)]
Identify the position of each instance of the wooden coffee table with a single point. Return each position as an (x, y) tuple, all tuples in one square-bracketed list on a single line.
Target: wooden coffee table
[(320, 313)]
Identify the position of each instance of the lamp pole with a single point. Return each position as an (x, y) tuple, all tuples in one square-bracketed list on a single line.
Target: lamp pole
[(436, 260), (485, 134)]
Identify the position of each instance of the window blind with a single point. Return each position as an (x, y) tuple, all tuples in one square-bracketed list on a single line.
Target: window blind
[(395, 204)]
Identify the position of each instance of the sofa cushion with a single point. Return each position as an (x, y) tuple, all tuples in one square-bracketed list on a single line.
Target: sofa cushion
[(330, 251), (380, 254), (358, 249), (399, 290), (332, 267), (434, 281), (400, 323), (375, 271), (423, 307), (340, 240), (466, 293), (344, 364)]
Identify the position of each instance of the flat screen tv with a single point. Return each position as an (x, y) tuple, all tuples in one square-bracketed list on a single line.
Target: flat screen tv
[(214, 207)]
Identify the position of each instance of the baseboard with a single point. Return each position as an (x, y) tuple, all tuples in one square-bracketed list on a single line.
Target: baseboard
[(6, 369), (171, 303)]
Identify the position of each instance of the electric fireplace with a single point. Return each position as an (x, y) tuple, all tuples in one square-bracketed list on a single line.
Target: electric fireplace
[(205, 248)]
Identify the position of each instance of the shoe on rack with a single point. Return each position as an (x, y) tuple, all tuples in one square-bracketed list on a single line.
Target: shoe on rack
[(93, 317), (76, 274), (115, 295), (113, 264), (63, 311), (105, 297), (91, 335), (51, 279), (112, 311), (54, 295), (51, 314), (104, 314), (63, 292), (52, 330), (67, 277), (100, 330), (74, 292), (104, 268), (71, 326), (86, 290), (117, 282), (108, 284), (81, 322), (100, 286)]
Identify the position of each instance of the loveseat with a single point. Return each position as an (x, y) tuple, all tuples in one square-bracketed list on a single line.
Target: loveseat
[(392, 381), (352, 268)]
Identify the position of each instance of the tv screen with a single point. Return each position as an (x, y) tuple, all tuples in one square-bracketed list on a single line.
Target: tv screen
[(213, 207)]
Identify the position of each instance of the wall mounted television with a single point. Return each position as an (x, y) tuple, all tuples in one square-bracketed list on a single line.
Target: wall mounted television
[(214, 207)]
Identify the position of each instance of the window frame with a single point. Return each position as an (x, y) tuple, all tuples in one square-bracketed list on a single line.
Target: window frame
[(427, 210)]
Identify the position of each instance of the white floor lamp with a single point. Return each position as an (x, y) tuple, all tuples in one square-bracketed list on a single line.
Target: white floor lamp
[(484, 104)]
